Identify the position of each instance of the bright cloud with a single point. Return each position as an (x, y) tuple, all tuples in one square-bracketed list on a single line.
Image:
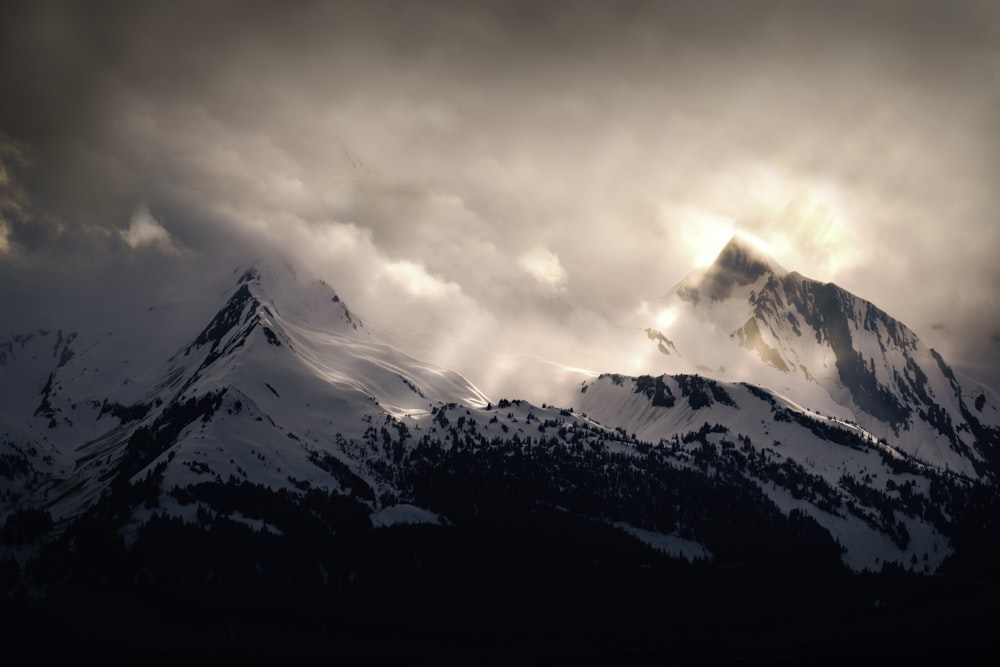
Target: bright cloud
[(145, 230), (543, 265), (666, 318), (414, 280)]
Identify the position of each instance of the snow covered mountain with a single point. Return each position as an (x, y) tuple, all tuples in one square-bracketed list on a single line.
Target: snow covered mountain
[(746, 318), (286, 395), (283, 361)]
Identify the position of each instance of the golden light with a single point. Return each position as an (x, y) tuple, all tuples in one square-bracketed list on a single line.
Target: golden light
[(702, 233), (811, 230), (666, 318)]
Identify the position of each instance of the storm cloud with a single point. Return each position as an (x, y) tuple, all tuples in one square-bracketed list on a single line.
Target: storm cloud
[(511, 176)]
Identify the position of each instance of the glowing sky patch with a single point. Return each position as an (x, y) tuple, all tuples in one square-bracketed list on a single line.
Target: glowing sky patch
[(543, 265), (702, 234), (666, 317), (546, 170), (415, 280)]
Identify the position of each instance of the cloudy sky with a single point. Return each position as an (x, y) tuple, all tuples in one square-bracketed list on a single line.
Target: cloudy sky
[(514, 174)]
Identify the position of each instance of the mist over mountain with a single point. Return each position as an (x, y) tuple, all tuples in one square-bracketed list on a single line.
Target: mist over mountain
[(456, 169), (828, 442)]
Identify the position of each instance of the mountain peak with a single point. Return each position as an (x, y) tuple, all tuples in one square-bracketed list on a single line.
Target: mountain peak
[(743, 261), (251, 274), (747, 255), (268, 273), (293, 292)]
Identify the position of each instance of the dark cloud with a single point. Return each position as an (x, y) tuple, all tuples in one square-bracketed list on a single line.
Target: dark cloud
[(515, 169)]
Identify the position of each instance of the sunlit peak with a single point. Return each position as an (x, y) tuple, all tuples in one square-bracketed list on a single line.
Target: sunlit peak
[(754, 243), (702, 233)]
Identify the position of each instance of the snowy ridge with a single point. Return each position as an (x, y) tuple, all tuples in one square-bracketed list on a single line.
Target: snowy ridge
[(828, 452)]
